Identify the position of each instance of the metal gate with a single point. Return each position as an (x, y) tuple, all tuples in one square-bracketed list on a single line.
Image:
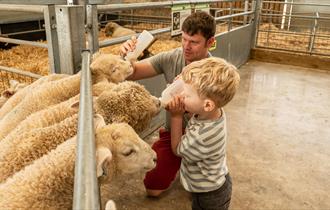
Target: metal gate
[(298, 27)]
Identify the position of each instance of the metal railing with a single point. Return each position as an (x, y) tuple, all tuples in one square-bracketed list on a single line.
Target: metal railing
[(293, 31)]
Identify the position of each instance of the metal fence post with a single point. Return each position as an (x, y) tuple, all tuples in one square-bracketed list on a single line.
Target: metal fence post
[(92, 28), (52, 39), (71, 36), (256, 19), (313, 33)]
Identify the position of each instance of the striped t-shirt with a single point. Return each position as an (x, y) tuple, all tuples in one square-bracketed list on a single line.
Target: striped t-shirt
[(203, 151)]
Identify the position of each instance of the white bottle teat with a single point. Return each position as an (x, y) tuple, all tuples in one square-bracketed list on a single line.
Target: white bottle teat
[(173, 89)]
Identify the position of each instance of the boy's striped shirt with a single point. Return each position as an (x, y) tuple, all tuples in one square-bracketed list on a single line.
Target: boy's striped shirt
[(203, 151)]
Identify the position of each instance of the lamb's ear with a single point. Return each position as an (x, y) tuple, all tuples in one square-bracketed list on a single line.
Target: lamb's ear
[(110, 205), (103, 159), (13, 83), (95, 55), (75, 105), (98, 121), (7, 93)]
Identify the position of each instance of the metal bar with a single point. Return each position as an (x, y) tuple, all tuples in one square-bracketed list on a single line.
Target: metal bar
[(312, 39), (234, 15), (22, 32), (20, 72), (127, 6), (118, 40), (307, 4), (86, 189), (295, 51), (297, 16), (21, 8), (18, 41), (246, 9), (33, 2)]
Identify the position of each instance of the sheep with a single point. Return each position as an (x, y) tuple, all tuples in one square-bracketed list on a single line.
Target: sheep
[(14, 87), (104, 67), (18, 97), (53, 114), (138, 108), (18, 152), (134, 105), (48, 182), (115, 30)]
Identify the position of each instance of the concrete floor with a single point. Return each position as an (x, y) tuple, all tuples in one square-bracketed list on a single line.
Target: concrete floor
[(278, 149)]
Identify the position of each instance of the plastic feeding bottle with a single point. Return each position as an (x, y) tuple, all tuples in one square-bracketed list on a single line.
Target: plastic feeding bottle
[(173, 89), (143, 41)]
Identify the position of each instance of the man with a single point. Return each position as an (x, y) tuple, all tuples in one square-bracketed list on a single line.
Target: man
[(198, 32)]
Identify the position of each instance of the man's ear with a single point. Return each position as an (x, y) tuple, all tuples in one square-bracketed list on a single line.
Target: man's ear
[(209, 105), (210, 42)]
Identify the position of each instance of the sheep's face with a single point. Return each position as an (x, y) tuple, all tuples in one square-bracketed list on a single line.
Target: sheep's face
[(111, 67), (128, 102), (129, 153), (110, 28)]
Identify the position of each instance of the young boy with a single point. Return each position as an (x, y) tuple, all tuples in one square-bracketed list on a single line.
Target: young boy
[(209, 84)]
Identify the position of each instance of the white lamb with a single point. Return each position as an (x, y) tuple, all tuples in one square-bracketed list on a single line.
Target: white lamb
[(48, 182), (18, 97), (104, 67), (126, 102), (115, 30), (14, 87)]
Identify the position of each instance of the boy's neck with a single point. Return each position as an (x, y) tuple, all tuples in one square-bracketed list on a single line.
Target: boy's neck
[(213, 115)]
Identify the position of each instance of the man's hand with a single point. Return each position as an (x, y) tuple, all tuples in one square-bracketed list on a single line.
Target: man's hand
[(128, 46)]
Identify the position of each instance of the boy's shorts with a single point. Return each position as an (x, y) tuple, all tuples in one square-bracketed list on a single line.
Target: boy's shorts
[(168, 164)]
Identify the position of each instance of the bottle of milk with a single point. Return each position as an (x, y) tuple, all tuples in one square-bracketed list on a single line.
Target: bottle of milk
[(173, 89), (143, 41)]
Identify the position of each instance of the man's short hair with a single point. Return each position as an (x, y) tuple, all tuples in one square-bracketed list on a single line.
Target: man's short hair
[(199, 22), (213, 78)]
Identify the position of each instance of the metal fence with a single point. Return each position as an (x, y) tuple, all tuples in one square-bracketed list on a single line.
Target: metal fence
[(287, 30)]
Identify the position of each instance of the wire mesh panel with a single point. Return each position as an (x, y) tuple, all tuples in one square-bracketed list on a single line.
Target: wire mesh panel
[(287, 30)]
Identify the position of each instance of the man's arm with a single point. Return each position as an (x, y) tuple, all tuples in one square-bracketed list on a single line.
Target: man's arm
[(142, 70)]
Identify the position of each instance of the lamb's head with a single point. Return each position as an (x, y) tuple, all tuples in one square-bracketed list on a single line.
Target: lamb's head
[(110, 67), (128, 152), (128, 102), (110, 27), (14, 87)]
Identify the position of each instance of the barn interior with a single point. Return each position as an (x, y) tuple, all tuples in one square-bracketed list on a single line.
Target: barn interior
[(278, 122)]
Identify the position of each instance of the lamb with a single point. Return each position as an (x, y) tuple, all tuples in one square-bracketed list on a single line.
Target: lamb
[(138, 108), (53, 114), (48, 182), (18, 152), (60, 90), (37, 135), (18, 97), (115, 30), (14, 87)]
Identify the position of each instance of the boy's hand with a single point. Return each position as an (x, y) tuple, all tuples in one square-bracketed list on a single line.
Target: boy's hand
[(176, 106)]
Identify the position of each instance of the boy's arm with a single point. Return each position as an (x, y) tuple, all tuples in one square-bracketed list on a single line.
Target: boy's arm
[(176, 108), (176, 132)]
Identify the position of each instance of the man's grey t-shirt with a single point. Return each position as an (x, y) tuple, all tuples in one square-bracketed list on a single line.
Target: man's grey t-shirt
[(168, 63)]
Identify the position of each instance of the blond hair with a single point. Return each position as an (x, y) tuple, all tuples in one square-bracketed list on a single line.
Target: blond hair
[(213, 78)]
